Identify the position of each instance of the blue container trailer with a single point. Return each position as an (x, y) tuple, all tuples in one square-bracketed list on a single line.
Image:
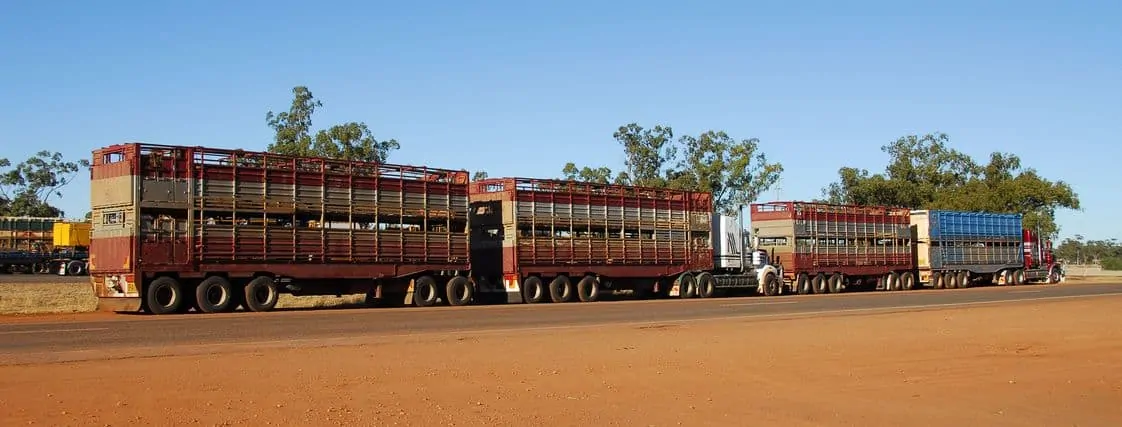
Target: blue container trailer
[(956, 249)]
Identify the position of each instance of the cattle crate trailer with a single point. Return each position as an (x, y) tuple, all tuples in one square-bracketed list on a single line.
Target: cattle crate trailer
[(828, 248), (178, 227), (957, 249), (546, 240)]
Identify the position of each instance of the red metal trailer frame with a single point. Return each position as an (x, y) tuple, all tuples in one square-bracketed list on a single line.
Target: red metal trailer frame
[(823, 248), (555, 231), (318, 225)]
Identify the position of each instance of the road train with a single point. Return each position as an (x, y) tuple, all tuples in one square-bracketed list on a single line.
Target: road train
[(176, 228)]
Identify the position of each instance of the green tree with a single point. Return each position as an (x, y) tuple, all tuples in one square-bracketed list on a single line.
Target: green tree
[(479, 176), (27, 188), (736, 172), (347, 141), (924, 173), (600, 175)]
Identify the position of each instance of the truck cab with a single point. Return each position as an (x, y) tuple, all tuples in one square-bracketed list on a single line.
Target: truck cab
[(738, 262)]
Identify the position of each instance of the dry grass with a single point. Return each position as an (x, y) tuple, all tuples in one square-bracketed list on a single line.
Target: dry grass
[(46, 297), (289, 301)]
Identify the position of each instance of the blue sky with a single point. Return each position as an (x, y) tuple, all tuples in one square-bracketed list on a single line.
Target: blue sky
[(519, 89)]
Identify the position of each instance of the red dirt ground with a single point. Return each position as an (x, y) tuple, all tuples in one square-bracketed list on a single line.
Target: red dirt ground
[(1038, 363)]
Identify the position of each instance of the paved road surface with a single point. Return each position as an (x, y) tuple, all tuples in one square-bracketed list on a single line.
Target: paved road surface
[(143, 335)]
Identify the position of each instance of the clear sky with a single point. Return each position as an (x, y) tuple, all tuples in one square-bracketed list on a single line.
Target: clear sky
[(517, 88)]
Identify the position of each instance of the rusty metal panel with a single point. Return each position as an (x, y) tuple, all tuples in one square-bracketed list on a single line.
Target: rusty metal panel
[(817, 237), (111, 254)]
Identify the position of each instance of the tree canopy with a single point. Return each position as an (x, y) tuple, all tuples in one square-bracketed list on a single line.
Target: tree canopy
[(26, 189), (735, 171), (925, 173), (346, 141), (1076, 250)]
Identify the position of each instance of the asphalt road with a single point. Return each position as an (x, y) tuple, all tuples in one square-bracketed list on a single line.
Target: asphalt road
[(144, 335)]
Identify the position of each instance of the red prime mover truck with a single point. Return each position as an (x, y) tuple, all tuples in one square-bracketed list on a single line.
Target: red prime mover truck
[(179, 227)]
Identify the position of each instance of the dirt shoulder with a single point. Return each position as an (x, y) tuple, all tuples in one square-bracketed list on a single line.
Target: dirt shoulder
[(1023, 364)]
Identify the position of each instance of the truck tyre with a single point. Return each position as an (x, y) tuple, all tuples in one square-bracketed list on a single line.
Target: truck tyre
[(892, 280), (214, 295), (561, 289), (1019, 276), (907, 281), (836, 281), (687, 286), (937, 280), (75, 268), (425, 292), (532, 290), (588, 290), (964, 279), (460, 291), (260, 294), (771, 285), (163, 296), (803, 285), (820, 284), (705, 286), (1053, 276), (951, 279)]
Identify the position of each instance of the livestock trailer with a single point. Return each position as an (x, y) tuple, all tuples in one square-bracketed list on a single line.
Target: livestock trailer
[(176, 227), (955, 249), (827, 248), (543, 240)]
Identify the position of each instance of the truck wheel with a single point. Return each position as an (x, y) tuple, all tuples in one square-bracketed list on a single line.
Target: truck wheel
[(907, 281), (951, 278), (1053, 276), (425, 292), (705, 286), (893, 280), (260, 294), (532, 290), (820, 284), (803, 285), (163, 296), (771, 285), (75, 268), (937, 280), (835, 283), (1019, 276), (588, 290), (964, 279), (560, 289), (459, 290), (213, 295), (687, 286)]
